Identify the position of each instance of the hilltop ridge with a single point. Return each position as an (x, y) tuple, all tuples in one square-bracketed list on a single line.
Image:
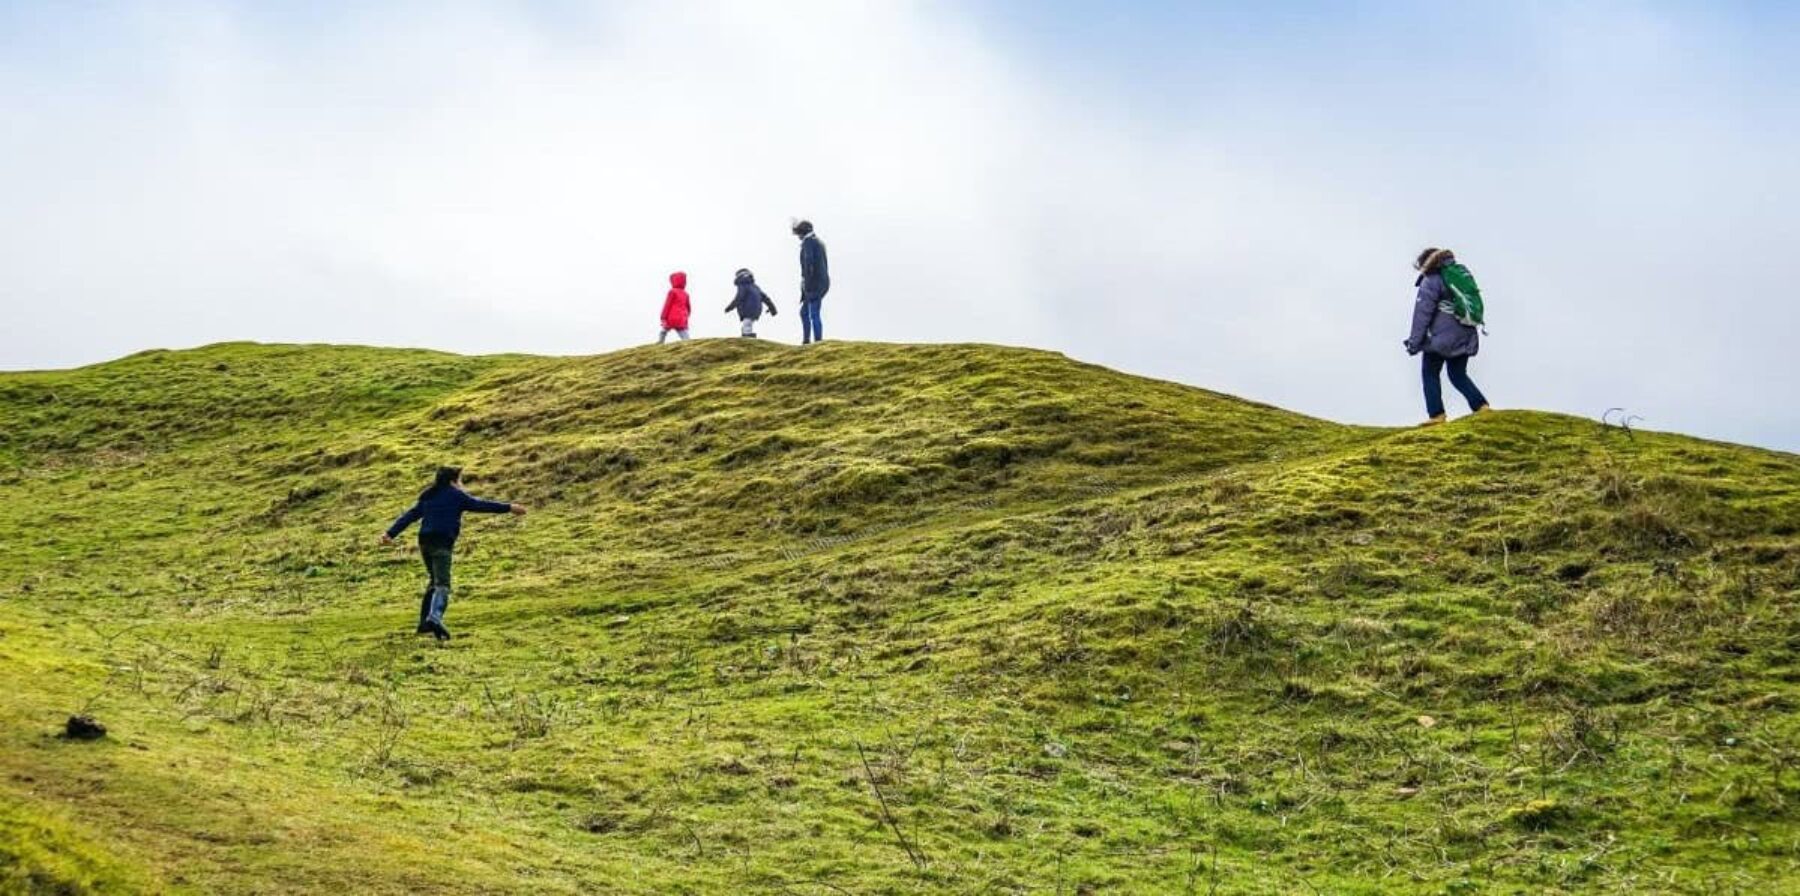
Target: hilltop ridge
[(876, 618)]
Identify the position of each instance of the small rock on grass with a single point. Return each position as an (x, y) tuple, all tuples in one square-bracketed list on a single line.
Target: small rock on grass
[(82, 727)]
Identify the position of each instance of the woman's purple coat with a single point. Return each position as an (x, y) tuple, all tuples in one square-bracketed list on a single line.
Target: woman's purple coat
[(1435, 330)]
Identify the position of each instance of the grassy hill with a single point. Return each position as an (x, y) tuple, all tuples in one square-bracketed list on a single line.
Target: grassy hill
[(876, 619)]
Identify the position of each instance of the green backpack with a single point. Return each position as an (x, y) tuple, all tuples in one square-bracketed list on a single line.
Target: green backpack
[(1462, 294)]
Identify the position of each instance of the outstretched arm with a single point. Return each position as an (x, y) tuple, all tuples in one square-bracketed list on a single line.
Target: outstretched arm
[(411, 516), (481, 505), (769, 304)]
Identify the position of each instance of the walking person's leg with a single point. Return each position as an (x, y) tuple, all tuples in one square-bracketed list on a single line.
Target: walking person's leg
[(663, 337), (438, 558), (430, 587), (818, 323), (1459, 377), (682, 333), (425, 610), (1430, 367), (747, 329)]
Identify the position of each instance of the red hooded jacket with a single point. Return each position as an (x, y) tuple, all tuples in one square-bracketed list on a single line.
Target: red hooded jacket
[(675, 307)]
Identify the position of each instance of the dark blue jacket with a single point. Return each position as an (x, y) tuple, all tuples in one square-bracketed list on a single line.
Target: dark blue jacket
[(815, 274), (1434, 328), (750, 300), (442, 512)]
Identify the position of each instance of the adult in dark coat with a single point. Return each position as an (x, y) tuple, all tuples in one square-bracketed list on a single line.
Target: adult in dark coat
[(1443, 340), (815, 282)]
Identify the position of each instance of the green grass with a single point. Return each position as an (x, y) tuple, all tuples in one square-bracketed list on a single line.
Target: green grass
[(1078, 631), (38, 854)]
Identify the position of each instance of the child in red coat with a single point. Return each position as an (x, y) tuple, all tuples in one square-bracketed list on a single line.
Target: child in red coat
[(675, 308)]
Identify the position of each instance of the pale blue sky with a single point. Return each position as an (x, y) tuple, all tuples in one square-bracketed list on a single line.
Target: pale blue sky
[(1222, 194)]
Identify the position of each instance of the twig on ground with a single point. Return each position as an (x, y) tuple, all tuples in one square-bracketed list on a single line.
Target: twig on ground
[(869, 772), (1215, 868), (699, 848)]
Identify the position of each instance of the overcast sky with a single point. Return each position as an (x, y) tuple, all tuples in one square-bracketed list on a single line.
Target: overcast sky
[(1228, 195)]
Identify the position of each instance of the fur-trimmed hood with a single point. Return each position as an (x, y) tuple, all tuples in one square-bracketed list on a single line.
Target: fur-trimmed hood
[(1431, 261)]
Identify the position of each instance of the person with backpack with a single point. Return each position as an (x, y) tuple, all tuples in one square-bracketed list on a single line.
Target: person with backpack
[(439, 512), (815, 282), (675, 308), (1446, 322), (749, 303)]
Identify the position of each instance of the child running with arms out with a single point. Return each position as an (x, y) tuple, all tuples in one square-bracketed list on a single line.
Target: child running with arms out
[(439, 514)]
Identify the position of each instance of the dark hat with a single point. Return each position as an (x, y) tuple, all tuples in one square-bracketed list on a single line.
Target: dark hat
[(802, 228)]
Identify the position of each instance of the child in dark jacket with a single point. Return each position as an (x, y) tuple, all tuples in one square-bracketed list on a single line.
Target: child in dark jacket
[(439, 510), (749, 303), (675, 309)]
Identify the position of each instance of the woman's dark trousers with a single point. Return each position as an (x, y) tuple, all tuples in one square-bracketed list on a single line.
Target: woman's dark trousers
[(436, 555), (1459, 377)]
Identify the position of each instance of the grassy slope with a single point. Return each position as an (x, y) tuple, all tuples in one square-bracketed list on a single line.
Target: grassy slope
[(1089, 631)]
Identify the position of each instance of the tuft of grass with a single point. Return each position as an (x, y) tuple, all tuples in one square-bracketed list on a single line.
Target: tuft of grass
[(40, 854)]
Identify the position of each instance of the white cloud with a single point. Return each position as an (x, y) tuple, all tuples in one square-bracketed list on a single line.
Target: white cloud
[(408, 178), (479, 180)]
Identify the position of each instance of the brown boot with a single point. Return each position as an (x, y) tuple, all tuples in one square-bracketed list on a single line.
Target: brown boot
[(1439, 420), (1484, 409)]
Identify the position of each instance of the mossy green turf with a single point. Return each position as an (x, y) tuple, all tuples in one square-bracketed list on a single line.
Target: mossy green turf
[(1079, 631)]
